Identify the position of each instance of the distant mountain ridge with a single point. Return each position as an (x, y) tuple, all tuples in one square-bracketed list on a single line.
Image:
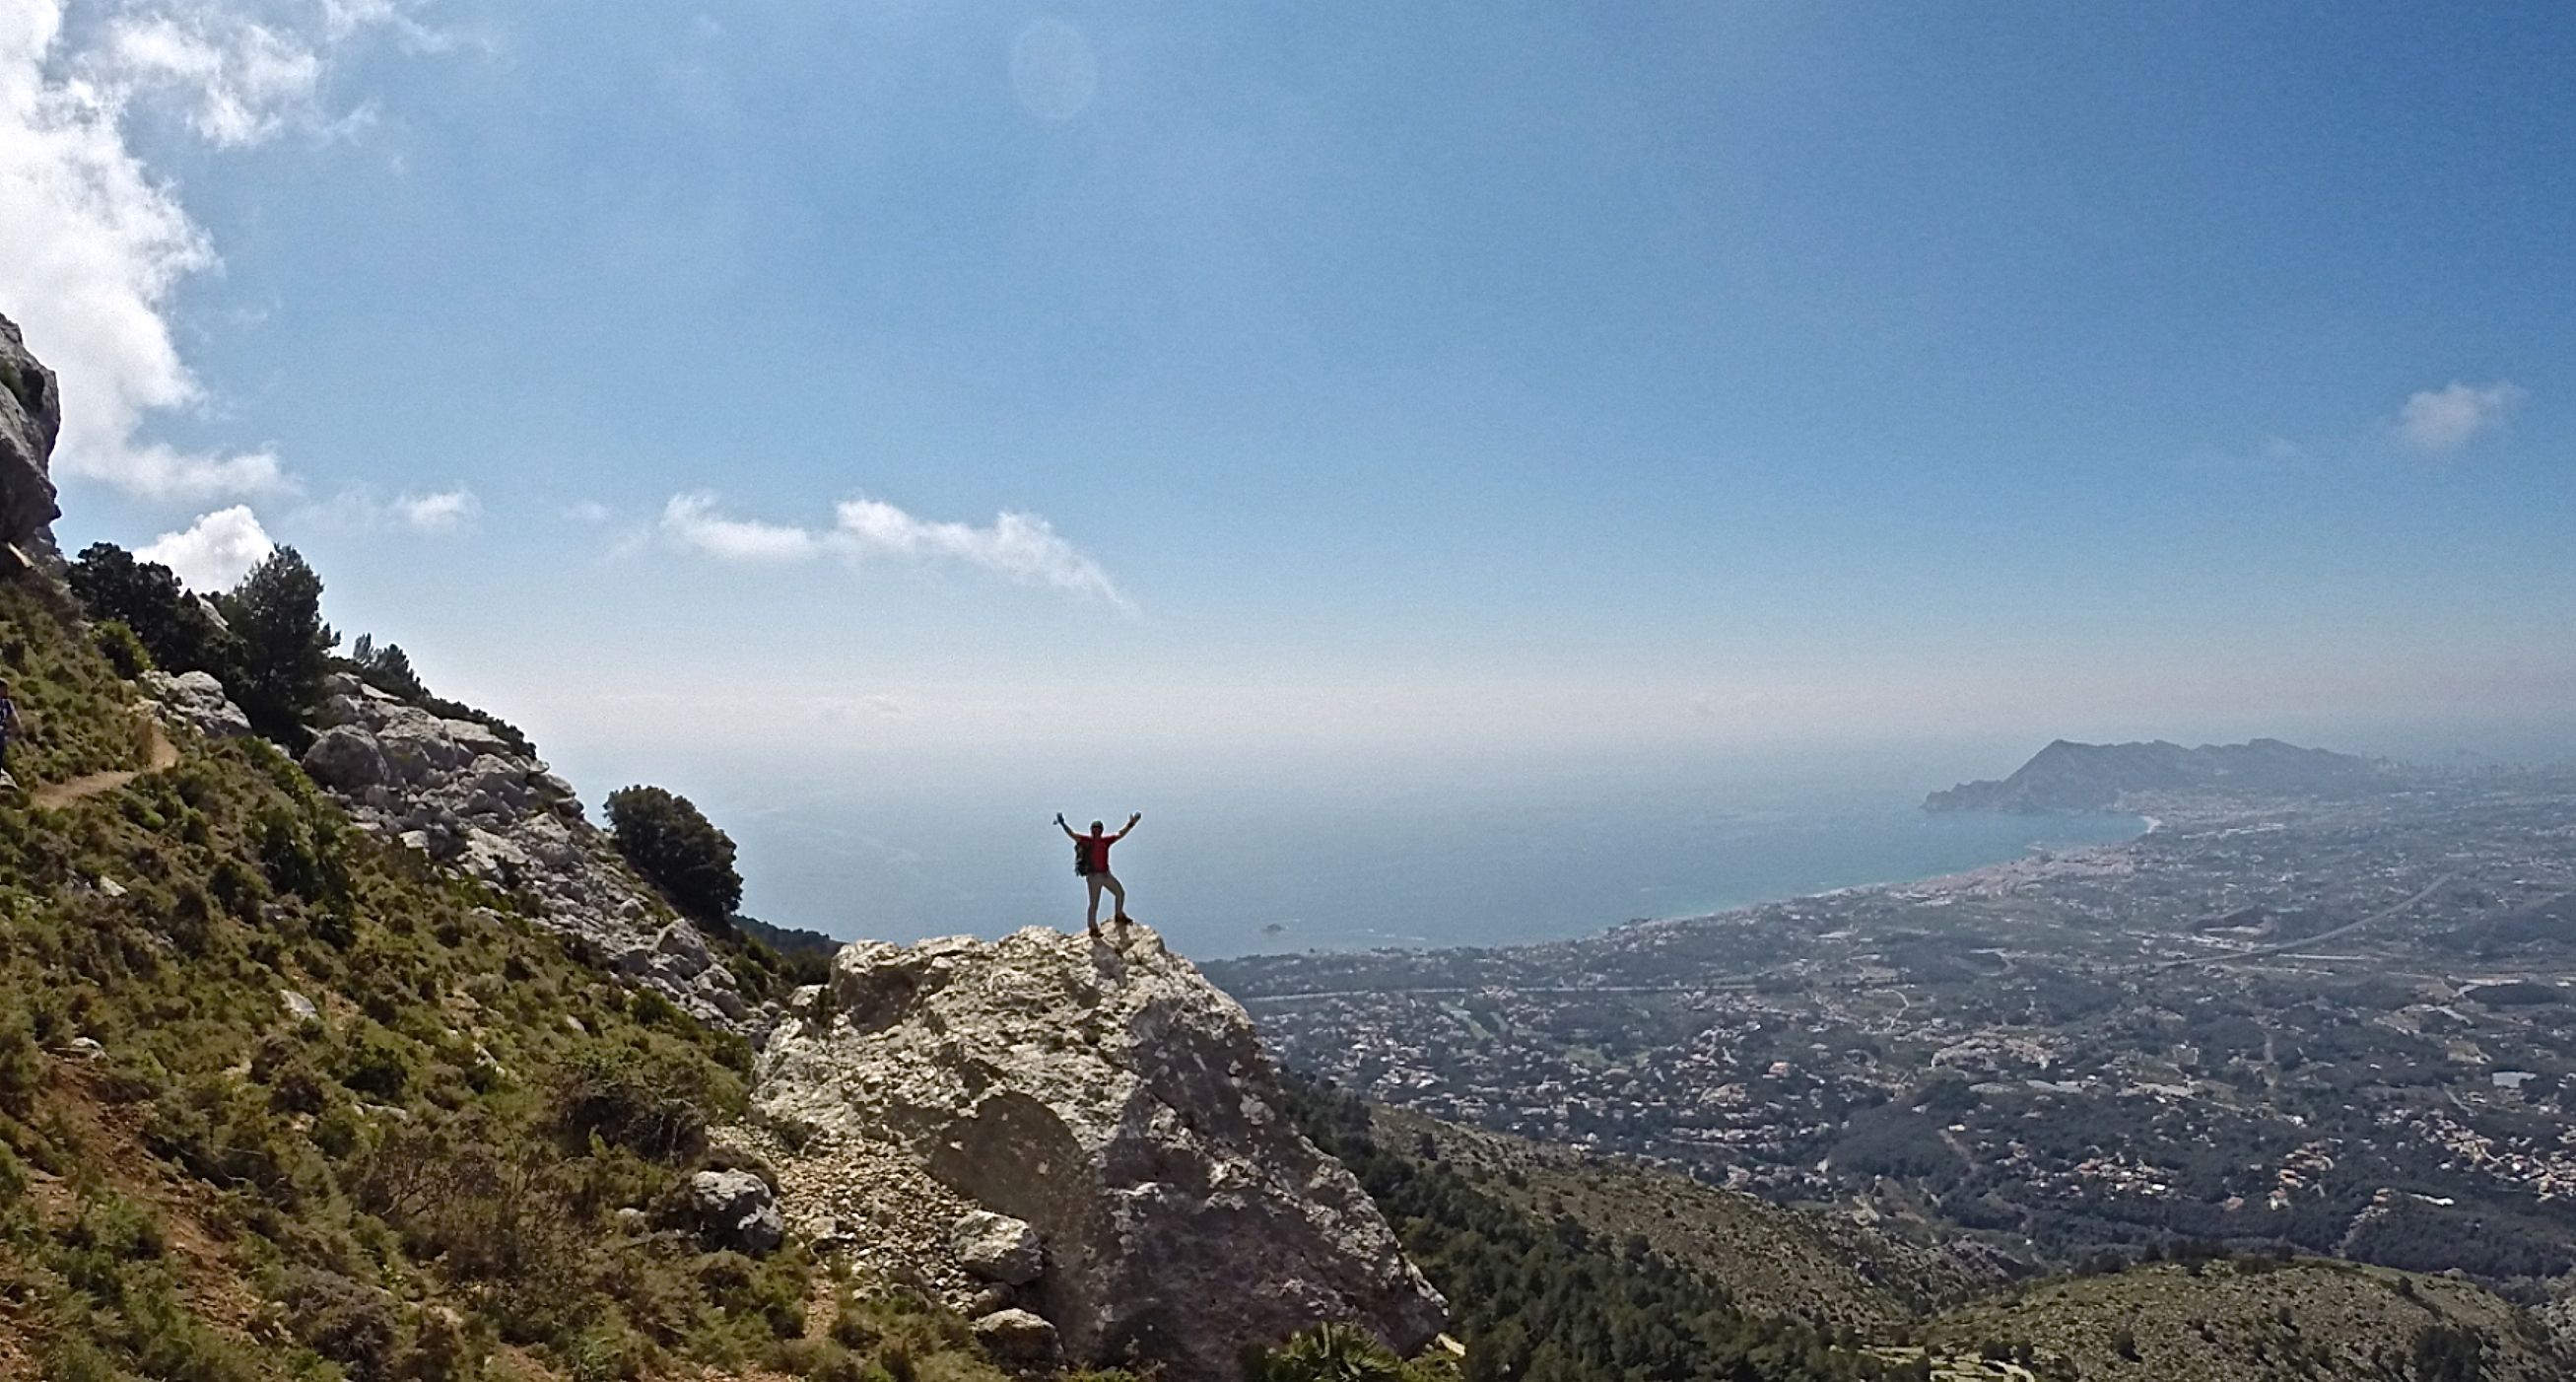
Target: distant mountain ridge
[(2068, 776)]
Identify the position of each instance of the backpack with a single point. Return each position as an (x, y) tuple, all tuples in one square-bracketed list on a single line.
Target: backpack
[(1082, 856)]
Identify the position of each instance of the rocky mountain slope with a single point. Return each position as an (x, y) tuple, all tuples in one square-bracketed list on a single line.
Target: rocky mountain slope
[(2068, 776), (1093, 1134), (457, 792)]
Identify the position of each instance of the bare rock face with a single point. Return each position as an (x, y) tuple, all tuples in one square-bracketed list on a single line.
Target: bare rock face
[(1120, 1105), (458, 792), (31, 416), (198, 701)]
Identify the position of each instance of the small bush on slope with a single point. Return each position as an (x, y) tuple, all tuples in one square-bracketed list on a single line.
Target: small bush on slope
[(429, 1170), (670, 841)]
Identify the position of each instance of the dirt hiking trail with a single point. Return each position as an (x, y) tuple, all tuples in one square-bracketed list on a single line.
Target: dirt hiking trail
[(162, 756)]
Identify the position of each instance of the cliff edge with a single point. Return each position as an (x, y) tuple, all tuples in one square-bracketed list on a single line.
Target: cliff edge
[(1099, 1135), (31, 416)]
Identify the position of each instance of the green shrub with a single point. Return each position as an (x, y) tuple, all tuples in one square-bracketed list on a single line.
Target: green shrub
[(672, 843), (630, 1099), (350, 1324), (124, 652)]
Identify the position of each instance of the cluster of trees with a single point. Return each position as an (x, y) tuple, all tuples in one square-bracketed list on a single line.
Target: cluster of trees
[(1552, 1302), (264, 639)]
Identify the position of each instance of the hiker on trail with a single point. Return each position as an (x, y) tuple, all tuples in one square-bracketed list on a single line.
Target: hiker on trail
[(8, 724), (1091, 864)]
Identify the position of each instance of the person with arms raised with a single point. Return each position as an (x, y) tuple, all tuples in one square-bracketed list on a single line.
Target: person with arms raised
[(1091, 864)]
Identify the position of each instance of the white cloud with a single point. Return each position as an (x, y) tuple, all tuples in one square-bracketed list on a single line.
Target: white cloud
[(92, 243), (1022, 547), (2440, 421), (591, 512), (214, 552), (691, 521), (239, 82), (431, 514), (442, 512)]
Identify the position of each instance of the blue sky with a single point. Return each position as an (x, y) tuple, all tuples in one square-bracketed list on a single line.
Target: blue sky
[(1362, 377)]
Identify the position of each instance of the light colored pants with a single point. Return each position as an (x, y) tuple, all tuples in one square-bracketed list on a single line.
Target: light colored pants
[(1098, 882)]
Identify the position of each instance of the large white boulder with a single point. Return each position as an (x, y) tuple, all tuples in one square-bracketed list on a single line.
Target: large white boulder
[(1121, 1106), (198, 700), (346, 757)]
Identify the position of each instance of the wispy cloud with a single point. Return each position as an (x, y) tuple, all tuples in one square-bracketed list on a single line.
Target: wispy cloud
[(1021, 547), (214, 552), (442, 512), (691, 521), (93, 243), (2438, 422), (434, 513)]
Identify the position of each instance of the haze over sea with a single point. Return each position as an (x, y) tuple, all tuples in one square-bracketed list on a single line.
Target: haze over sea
[(1401, 854)]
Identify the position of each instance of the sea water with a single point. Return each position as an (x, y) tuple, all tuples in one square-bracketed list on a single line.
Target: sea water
[(1236, 859)]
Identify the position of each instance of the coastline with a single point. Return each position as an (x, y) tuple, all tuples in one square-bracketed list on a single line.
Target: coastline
[(2035, 859)]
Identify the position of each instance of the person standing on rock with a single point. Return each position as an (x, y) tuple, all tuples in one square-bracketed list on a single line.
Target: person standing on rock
[(1091, 864)]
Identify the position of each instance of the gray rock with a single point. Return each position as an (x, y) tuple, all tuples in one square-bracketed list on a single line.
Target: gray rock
[(1123, 1107), (737, 1210), (455, 791), (1018, 1338), (998, 1247), (197, 700), (477, 738), (109, 887), (346, 757), (298, 1006), (419, 747), (31, 416), (84, 1048), (683, 949)]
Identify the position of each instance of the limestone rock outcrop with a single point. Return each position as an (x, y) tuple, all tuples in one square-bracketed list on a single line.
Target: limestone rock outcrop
[(457, 791), (31, 416), (198, 701), (1123, 1108)]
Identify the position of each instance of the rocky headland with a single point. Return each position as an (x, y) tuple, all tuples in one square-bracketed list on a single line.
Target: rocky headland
[(2067, 776)]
